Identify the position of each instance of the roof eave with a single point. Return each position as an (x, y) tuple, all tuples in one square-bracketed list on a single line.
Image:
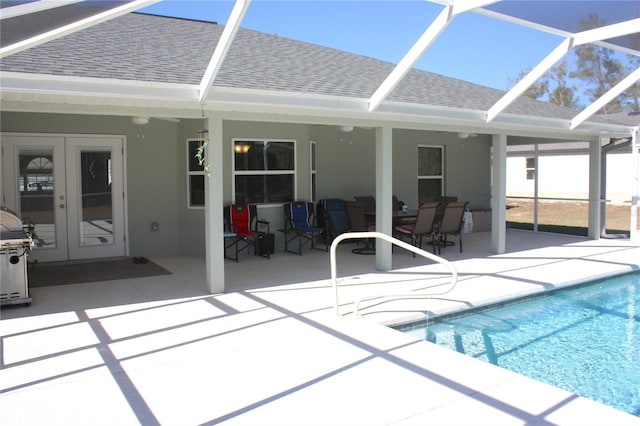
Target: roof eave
[(19, 89)]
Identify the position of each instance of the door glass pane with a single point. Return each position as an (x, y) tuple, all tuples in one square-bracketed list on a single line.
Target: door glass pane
[(96, 222), (35, 185)]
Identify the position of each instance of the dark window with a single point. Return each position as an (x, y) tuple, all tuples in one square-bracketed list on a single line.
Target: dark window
[(430, 173), (195, 175), (264, 171)]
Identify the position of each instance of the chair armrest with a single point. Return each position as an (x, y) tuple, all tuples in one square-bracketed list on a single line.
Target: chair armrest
[(263, 223)]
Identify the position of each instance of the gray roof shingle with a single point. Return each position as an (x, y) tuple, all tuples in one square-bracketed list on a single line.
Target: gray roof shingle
[(152, 48)]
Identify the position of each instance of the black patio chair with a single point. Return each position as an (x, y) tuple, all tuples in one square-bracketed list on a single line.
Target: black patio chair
[(332, 218)]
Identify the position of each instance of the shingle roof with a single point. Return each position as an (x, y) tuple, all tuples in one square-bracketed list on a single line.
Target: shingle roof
[(628, 118), (163, 49)]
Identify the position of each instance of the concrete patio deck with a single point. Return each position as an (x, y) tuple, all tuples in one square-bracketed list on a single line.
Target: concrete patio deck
[(271, 351)]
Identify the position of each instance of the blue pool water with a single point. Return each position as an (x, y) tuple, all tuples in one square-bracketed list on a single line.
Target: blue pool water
[(585, 340)]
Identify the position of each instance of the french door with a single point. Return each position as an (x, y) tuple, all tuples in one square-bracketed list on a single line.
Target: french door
[(70, 188)]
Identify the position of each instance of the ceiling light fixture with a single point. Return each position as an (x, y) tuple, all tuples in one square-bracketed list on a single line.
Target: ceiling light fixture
[(139, 120), (242, 148)]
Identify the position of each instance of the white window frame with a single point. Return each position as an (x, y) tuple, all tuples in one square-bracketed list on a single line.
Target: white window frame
[(431, 177), (235, 172), (193, 173), (313, 183), (531, 170)]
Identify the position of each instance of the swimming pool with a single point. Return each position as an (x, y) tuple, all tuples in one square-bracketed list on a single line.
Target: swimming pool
[(585, 339)]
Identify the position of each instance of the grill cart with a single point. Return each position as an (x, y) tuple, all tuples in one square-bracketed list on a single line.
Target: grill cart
[(15, 246)]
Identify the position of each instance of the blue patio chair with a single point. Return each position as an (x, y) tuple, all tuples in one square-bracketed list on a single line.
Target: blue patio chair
[(333, 218), (300, 224)]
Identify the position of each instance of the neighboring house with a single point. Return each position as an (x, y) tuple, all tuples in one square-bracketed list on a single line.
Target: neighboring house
[(110, 114), (563, 168)]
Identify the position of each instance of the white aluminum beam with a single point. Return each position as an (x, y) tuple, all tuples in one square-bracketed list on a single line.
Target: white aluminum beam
[(627, 82), (584, 37), (228, 34), (76, 26), (463, 6), (609, 31), (417, 50), (36, 6), (533, 76), (413, 55)]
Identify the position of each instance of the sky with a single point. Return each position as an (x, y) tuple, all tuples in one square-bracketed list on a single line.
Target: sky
[(473, 48)]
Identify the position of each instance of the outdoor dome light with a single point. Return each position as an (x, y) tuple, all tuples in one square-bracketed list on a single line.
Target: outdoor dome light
[(346, 129), (139, 120)]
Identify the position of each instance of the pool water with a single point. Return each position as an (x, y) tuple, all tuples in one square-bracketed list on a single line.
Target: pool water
[(585, 340)]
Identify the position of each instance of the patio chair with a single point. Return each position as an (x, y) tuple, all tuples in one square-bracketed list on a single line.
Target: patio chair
[(451, 224), (241, 219), (423, 226), (332, 218), (230, 242), (300, 224), (358, 223), (369, 202)]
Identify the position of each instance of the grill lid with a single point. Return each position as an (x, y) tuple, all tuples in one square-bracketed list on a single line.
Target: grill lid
[(10, 225)]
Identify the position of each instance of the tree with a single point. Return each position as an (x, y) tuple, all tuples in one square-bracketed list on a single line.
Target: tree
[(598, 67), (631, 96), (536, 90), (561, 93)]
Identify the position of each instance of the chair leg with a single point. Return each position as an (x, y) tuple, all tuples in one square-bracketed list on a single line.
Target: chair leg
[(233, 244)]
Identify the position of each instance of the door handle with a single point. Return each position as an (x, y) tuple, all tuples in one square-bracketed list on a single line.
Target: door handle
[(62, 206)]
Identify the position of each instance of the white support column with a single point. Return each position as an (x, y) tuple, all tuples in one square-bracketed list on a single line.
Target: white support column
[(499, 194), (536, 188), (384, 195), (214, 221), (633, 234), (593, 231)]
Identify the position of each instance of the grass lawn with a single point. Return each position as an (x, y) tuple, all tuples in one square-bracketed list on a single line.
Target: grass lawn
[(569, 217)]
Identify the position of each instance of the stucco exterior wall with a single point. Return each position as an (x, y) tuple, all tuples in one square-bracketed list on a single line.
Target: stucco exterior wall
[(467, 166), (156, 169), (151, 171)]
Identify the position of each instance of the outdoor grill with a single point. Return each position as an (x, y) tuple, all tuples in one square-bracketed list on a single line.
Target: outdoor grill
[(15, 245)]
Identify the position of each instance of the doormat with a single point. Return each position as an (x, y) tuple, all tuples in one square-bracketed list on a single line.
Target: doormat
[(43, 275)]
